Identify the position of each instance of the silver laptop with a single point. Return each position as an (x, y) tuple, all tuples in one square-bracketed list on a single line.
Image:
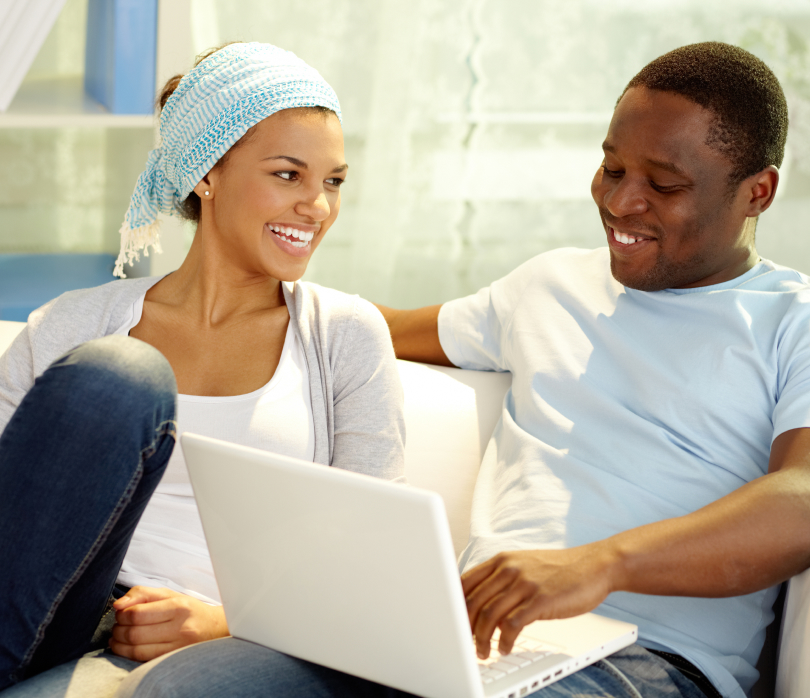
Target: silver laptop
[(358, 574)]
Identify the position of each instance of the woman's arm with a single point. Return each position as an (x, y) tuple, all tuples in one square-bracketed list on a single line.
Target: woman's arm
[(368, 403)]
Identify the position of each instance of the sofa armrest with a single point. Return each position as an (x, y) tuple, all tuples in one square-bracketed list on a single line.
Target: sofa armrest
[(793, 667)]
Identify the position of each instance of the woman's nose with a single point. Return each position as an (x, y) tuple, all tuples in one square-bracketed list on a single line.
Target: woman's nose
[(316, 207)]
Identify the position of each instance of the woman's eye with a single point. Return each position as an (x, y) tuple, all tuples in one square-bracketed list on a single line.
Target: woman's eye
[(288, 175), (335, 181)]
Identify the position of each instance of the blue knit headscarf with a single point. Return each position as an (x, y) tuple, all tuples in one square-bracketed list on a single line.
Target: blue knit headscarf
[(212, 108)]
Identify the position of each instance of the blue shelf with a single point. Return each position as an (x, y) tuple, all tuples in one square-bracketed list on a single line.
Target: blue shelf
[(28, 281)]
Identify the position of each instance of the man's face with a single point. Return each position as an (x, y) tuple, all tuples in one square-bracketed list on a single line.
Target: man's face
[(664, 199)]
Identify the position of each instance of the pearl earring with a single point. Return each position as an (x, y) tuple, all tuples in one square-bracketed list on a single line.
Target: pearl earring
[(207, 193)]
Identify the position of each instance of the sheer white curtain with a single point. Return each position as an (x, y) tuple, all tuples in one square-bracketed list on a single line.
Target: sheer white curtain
[(473, 127)]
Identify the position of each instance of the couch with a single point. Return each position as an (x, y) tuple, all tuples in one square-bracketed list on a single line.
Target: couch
[(450, 415)]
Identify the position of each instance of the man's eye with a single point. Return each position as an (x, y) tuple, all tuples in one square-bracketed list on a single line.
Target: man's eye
[(611, 173), (664, 188)]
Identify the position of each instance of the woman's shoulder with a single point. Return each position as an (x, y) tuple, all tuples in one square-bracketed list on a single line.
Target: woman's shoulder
[(337, 310), (84, 314)]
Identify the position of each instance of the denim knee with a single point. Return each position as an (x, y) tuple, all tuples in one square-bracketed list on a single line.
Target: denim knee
[(118, 384), (127, 370)]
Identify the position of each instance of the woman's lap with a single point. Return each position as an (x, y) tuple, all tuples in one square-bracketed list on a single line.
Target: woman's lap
[(241, 669), (94, 676)]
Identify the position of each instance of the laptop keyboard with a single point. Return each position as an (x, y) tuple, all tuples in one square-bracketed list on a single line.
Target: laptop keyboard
[(524, 652)]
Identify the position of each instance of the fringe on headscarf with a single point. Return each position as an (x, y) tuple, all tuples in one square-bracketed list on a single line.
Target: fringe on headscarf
[(133, 241)]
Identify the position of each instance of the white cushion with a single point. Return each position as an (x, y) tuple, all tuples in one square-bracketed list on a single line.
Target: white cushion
[(449, 417), (8, 331)]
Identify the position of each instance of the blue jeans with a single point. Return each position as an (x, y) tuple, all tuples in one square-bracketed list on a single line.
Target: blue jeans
[(231, 668), (79, 460)]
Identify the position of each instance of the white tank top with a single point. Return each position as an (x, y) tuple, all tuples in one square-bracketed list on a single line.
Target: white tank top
[(168, 547)]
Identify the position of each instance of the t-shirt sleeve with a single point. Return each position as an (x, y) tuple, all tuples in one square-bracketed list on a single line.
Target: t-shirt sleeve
[(471, 332), (792, 409), (369, 418)]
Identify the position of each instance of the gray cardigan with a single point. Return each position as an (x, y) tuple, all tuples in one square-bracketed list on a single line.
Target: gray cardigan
[(357, 401)]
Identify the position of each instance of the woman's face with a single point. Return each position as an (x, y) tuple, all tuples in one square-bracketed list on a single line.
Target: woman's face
[(273, 199)]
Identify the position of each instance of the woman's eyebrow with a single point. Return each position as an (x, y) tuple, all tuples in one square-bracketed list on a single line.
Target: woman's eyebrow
[(302, 164), (294, 161)]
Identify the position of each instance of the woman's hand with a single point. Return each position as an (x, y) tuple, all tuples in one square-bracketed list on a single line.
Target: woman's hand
[(151, 622)]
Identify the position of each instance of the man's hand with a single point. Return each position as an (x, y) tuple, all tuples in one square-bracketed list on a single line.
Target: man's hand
[(513, 589), (151, 622)]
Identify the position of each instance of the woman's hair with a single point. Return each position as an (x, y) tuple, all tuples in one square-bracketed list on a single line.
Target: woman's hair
[(191, 207)]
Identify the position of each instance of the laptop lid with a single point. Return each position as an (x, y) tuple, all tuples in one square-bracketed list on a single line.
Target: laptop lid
[(341, 569)]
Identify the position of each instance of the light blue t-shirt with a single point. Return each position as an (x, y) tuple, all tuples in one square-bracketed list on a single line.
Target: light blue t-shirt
[(629, 407)]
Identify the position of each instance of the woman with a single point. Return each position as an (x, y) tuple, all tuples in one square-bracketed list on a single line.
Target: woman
[(252, 150)]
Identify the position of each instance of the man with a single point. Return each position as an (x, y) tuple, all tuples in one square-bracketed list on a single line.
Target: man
[(653, 457)]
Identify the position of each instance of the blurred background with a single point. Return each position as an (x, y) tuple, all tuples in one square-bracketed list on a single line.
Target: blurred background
[(473, 129)]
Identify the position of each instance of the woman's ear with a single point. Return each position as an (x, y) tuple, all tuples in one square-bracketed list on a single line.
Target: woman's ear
[(204, 188)]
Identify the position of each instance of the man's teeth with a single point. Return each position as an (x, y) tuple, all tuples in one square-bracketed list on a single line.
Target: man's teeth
[(299, 237), (626, 239)]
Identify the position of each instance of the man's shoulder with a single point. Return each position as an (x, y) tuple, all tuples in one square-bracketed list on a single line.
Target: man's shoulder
[(571, 268), (777, 278)]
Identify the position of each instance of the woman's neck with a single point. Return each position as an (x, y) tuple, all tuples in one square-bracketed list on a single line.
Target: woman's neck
[(210, 288)]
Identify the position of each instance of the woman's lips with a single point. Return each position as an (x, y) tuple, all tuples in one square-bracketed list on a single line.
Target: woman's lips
[(290, 245)]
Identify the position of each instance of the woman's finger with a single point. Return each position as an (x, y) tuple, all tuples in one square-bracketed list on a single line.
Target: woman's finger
[(142, 653), (139, 594), (150, 613)]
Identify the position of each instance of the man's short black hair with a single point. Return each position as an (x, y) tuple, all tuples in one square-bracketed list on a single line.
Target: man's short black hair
[(746, 97)]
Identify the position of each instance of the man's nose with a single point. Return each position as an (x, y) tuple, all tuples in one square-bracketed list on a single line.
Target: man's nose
[(625, 198)]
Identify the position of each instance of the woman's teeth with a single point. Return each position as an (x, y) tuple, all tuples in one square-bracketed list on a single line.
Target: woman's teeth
[(297, 238)]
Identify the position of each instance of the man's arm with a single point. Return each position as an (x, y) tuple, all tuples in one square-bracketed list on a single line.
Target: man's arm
[(751, 539), (415, 334)]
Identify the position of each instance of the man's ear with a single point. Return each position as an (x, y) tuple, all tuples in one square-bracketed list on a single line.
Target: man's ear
[(760, 190)]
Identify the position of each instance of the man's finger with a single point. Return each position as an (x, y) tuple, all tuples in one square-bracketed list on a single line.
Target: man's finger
[(148, 613), (484, 592), (492, 614), (472, 578), (517, 619)]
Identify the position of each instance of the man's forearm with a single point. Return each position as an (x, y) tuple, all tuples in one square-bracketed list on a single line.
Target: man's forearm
[(415, 334), (749, 540)]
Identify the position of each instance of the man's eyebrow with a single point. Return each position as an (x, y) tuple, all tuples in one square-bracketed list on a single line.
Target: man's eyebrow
[(661, 164), (669, 167), (302, 164)]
